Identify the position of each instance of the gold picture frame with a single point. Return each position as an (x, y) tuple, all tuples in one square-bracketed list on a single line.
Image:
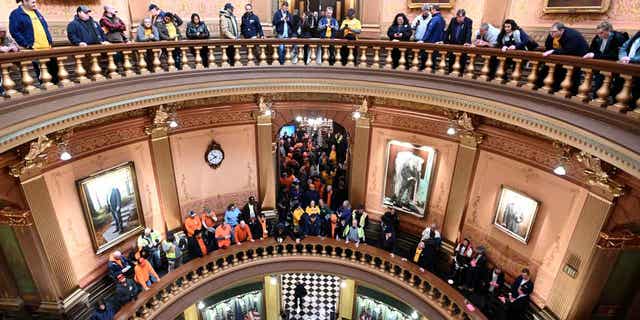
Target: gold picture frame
[(111, 204), (417, 4), (515, 213), (580, 7)]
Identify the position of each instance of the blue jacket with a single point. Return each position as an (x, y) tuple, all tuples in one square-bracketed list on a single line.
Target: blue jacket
[(435, 29), (323, 24), (624, 50), (251, 26), (78, 31), (21, 28), (279, 24)]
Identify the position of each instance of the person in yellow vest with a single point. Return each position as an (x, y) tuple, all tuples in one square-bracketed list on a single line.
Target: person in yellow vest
[(297, 214), (30, 30), (172, 252), (351, 28)]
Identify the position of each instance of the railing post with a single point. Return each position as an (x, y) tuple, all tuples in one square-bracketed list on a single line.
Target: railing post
[(402, 63), (8, 83), (156, 60), (376, 58), (171, 62), (184, 60), (603, 92), (211, 57), (27, 80), (548, 80), (517, 73), (142, 62), (415, 62), (585, 88), (325, 55), (388, 61), (470, 68), (263, 55), (624, 96), (198, 58), (251, 59), (350, 58), (112, 67), (484, 71), (565, 86), (275, 57), (63, 75), (500, 72), (363, 57), (442, 66), (456, 65), (287, 55), (128, 67), (225, 58), (428, 63), (533, 75), (635, 113), (45, 76), (338, 51), (96, 71), (80, 71), (236, 57), (312, 54)]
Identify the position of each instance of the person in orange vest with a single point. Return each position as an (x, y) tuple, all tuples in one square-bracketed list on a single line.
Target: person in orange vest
[(144, 273), (192, 223), (242, 233), (200, 249), (223, 235), (209, 220)]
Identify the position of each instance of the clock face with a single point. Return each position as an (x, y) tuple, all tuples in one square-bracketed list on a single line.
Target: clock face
[(215, 157)]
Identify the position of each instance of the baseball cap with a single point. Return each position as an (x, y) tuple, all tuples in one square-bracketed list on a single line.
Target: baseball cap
[(120, 276), (153, 6), (228, 6), (84, 9)]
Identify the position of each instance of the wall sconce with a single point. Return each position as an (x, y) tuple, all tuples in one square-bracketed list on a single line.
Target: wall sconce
[(63, 149), (566, 152)]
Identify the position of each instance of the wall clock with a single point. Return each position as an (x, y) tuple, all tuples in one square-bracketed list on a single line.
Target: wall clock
[(214, 155)]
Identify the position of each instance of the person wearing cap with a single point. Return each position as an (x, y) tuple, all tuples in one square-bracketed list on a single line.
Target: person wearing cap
[(148, 245), (113, 26), (229, 29), (126, 291), (117, 264), (104, 311), (192, 223), (172, 251), (83, 30), (30, 31), (156, 13), (209, 220)]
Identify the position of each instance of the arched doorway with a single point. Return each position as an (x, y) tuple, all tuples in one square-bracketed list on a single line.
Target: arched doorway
[(312, 156)]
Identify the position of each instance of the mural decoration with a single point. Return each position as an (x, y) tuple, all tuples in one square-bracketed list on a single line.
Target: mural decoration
[(515, 213), (576, 6), (111, 204), (408, 176), (419, 3)]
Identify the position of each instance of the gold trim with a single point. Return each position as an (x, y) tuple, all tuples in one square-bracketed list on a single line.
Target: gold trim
[(602, 8), (15, 218), (414, 5)]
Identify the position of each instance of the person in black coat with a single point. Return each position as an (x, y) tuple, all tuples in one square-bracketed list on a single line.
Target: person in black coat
[(250, 27), (495, 281), (400, 30), (312, 225), (83, 30), (251, 209), (477, 270), (606, 46), (103, 311), (459, 29), (563, 40), (299, 292), (522, 282), (517, 305), (126, 291), (388, 239)]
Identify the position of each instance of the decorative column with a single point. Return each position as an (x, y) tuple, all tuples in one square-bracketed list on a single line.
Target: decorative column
[(360, 156), (463, 171), (191, 313), (585, 267), (347, 299), (266, 156), (272, 297), (9, 250), (163, 167)]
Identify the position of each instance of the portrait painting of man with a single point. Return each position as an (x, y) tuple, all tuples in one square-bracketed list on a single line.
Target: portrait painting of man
[(515, 213)]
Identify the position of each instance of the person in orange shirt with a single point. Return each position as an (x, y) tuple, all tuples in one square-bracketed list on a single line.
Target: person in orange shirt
[(223, 235), (192, 223), (209, 219), (242, 233), (201, 249), (144, 273)]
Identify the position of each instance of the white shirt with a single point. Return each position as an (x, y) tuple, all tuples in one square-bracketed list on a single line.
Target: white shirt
[(252, 214), (419, 24), (427, 231)]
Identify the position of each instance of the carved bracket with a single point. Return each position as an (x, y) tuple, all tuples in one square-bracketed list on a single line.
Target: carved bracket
[(596, 175), (15, 218), (464, 124), (624, 239), (36, 157), (162, 120)]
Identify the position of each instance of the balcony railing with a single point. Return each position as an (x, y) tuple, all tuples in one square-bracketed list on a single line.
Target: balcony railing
[(514, 69), (370, 261)]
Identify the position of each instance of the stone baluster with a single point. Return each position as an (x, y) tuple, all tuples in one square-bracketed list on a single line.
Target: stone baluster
[(112, 67), (275, 56), (287, 55), (484, 71), (212, 57), (324, 251), (236, 57), (548, 80), (184, 59), (388, 62), (312, 54), (338, 61), (171, 62), (442, 66), (402, 62), (263, 55), (363, 57), (157, 65), (225, 57), (470, 67), (80, 71), (63, 75), (343, 254), (376, 58), (96, 71), (251, 59), (142, 62), (456, 65), (351, 58), (517, 73), (45, 76), (635, 113), (452, 308), (7, 83), (155, 303), (27, 80), (415, 62), (565, 86), (623, 98), (126, 65), (198, 58), (604, 91), (353, 256), (428, 64), (585, 88), (362, 259), (235, 260), (325, 55), (333, 251), (533, 75), (500, 71)]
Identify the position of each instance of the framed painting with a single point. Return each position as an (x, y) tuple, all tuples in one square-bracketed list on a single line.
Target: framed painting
[(408, 174), (417, 4), (111, 204), (576, 6), (515, 213)]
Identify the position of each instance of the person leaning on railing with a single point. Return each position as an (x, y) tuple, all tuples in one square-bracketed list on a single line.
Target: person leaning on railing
[(197, 30), (328, 28), (83, 30), (30, 30), (458, 32), (563, 40), (351, 27), (486, 36), (168, 29), (400, 30), (630, 53), (606, 46)]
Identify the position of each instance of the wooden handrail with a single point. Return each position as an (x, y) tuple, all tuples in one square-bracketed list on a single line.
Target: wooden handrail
[(515, 68), (434, 292)]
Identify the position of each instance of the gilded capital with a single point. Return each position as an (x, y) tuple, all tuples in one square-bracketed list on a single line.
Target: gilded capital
[(15, 218), (597, 176), (464, 125), (36, 157), (160, 121)]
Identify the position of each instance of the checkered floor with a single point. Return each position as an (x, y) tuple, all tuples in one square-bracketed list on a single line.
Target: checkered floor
[(323, 292)]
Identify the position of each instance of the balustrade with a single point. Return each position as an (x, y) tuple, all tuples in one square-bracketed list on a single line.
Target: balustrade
[(562, 77)]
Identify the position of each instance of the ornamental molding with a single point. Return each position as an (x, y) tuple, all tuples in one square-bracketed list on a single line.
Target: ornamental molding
[(553, 128), (35, 158), (596, 175), (15, 218)]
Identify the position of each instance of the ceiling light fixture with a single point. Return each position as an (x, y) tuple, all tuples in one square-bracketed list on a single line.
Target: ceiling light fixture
[(299, 118), (566, 152), (357, 115), (173, 124), (201, 305), (65, 155), (451, 131)]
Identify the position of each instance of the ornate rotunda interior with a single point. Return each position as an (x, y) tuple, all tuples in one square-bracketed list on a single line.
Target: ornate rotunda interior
[(405, 179)]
